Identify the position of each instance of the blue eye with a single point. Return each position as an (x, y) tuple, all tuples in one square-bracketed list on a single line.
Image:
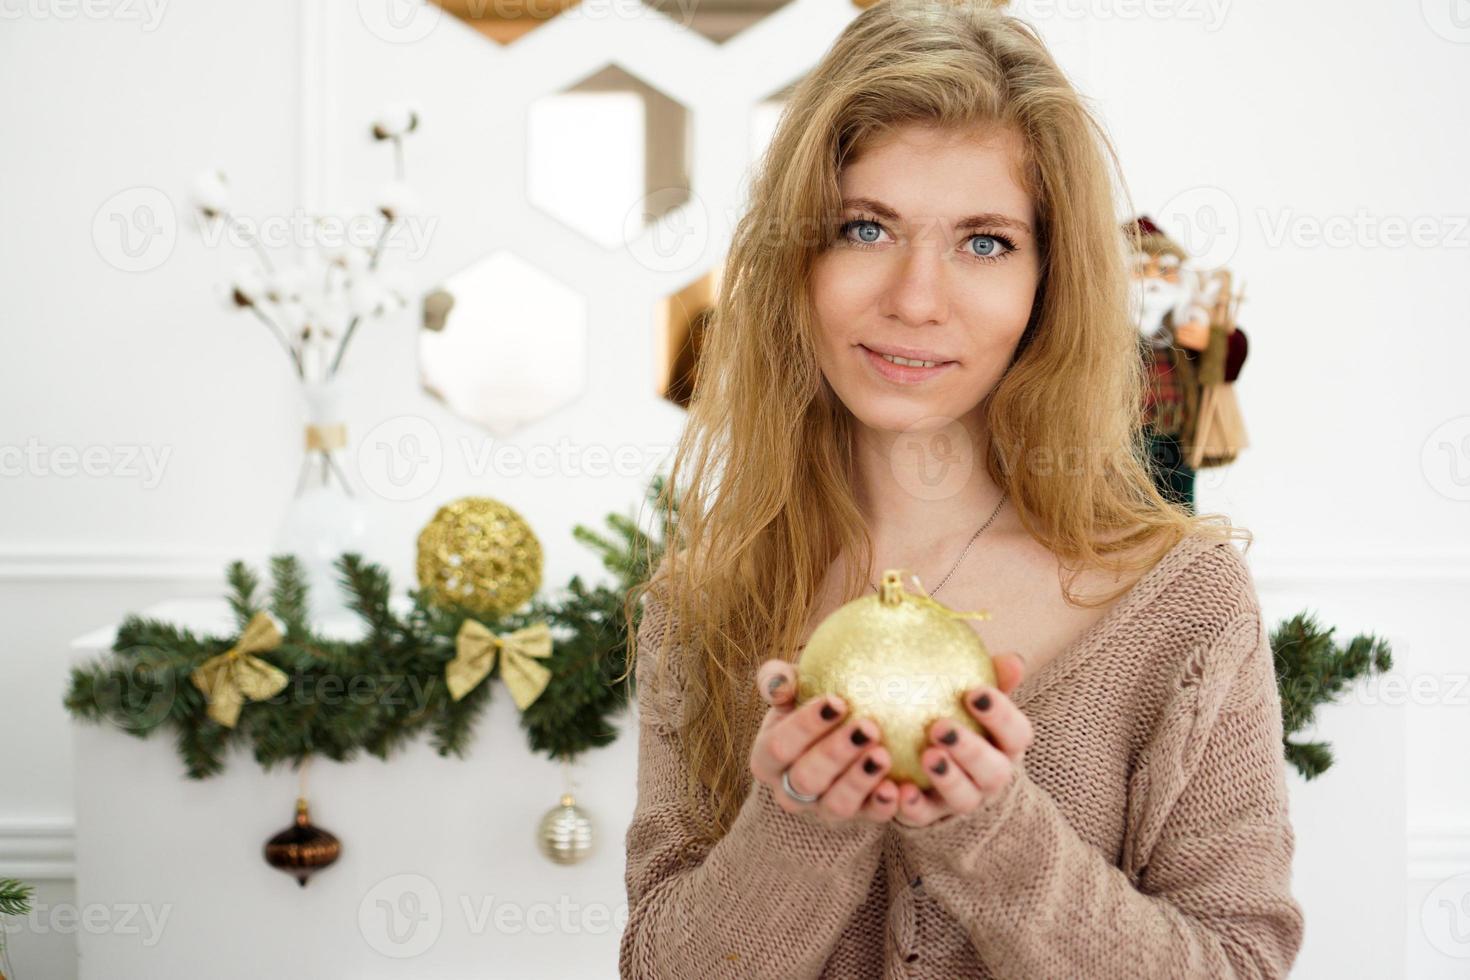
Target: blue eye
[(990, 245), (868, 231)]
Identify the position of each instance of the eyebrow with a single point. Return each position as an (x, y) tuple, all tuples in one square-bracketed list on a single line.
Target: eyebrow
[(986, 219)]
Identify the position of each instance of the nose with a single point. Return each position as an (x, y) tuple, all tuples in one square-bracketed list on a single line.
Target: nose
[(917, 292)]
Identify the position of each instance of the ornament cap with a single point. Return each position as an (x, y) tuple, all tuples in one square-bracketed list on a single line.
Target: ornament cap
[(892, 592)]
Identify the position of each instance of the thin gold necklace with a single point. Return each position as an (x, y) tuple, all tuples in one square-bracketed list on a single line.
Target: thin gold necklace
[(961, 558)]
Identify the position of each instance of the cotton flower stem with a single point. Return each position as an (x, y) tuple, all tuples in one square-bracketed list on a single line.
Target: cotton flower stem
[(265, 259), (357, 317), (273, 328)]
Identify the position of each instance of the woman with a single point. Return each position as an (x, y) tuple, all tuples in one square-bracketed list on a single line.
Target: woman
[(922, 359)]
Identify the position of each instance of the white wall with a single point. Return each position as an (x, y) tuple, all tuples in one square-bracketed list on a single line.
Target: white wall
[(1314, 114)]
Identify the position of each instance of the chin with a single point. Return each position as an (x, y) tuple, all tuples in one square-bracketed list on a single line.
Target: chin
[(911, 416)]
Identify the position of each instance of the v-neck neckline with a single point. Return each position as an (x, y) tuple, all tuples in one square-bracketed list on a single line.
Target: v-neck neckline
[(1032, 685)]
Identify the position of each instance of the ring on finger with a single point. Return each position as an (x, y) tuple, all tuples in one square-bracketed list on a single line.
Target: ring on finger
[(792, 792)]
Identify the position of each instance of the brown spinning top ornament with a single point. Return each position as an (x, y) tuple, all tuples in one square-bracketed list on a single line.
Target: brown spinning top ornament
[(302, 849), (902, 659)]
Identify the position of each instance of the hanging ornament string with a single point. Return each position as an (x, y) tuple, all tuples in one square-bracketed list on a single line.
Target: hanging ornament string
[(893, 592), (961, 558)]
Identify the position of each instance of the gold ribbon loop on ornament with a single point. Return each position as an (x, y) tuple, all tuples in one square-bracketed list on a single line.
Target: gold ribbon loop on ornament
[(326, 437), (894, 592), (230, 678), (475, 648)]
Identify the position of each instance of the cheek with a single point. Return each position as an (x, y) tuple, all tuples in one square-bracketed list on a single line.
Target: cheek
[(1004, 306), (838, 298)]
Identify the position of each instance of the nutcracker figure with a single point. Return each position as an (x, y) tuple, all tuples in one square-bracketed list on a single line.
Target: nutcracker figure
[(1193, 352)]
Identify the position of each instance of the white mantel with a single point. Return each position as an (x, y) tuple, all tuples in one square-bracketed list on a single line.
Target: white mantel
[(445, 847)]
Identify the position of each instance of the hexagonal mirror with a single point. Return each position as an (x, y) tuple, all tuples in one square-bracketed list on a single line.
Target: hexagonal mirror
[(505, 20), (504, 344), (680, 322), (718, 20), (638, 137)]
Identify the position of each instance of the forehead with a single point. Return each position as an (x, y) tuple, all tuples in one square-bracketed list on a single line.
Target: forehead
[(925, 171)]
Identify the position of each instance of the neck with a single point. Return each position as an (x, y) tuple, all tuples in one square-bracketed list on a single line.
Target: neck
[(924, 494)]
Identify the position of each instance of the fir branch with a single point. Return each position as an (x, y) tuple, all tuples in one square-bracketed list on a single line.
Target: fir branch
[(1311, 671), (15, 897), (243, 583), (289, 595), (369, 588)]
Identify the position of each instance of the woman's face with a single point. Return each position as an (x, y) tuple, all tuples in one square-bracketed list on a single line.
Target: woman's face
[(935, 261)]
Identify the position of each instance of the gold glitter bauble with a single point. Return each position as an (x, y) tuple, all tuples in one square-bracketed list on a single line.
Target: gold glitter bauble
[(479, 554), (901, 659), (565, 834)]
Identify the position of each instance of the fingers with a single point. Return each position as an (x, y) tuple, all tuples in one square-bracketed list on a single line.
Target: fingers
[(850, 790), (1007, 727), (1009, 669), (833, 767), (786, 733), (882, 803), (917, 808), (776, 681)]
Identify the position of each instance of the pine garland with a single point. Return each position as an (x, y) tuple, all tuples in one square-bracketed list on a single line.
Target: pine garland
[(15, 899), (377, 693), (1311, 670)]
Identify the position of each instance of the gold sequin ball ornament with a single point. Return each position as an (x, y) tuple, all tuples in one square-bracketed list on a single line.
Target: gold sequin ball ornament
[(479, 554), (904, 660)]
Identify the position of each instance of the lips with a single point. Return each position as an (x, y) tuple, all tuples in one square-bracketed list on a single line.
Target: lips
[(903, 373), (911, 353)]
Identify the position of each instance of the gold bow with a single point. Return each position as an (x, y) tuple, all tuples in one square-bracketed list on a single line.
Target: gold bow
[(474, 657), (228, 679)]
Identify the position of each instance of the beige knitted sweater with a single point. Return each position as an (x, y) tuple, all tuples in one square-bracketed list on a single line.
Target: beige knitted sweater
[(1146, 833)]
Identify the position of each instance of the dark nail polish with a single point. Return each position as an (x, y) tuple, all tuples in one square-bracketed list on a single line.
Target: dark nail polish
[(982, 703), (828, 712), (859, 737), (776, 683), (940, 767), (870, 767), (950, 737)]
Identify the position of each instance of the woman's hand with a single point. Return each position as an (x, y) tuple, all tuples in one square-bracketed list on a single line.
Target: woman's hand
[(968, 769), (824, 752)]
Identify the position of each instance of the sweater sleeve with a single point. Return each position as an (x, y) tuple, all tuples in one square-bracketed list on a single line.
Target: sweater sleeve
[(1212, 895), (769, 899)]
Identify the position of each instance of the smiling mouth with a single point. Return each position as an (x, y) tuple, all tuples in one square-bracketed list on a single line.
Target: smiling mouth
[(904, 369)]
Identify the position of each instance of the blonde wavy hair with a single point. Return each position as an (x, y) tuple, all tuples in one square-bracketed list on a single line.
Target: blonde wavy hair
[(761, 480)]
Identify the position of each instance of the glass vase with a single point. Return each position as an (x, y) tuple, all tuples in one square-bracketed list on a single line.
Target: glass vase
[(325, 518)]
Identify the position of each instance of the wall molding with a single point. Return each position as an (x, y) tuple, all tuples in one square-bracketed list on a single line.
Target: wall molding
[(113, 565), (38, 848), (61, 562), (1438, 851), (44, 849)]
